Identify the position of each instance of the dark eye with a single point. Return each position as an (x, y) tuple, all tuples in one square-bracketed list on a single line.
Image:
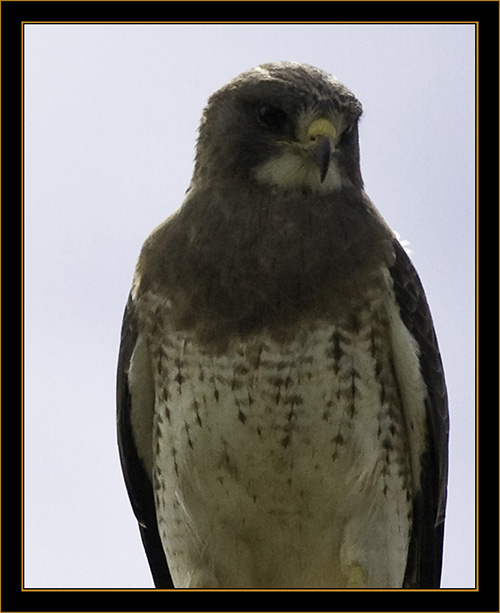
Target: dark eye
[(271, 117)]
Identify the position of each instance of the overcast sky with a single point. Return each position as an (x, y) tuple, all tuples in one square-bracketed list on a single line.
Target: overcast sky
[(111, 114)]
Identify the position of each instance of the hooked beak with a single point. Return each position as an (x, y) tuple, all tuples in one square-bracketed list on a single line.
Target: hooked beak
[(321, 155), (321, 133)]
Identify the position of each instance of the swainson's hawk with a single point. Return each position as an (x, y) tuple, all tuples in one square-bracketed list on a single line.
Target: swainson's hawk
[(282, 410)]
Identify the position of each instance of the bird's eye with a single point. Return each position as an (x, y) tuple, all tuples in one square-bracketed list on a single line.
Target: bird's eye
[(271, 117)]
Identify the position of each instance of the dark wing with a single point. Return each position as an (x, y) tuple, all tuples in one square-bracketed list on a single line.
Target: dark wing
[(137, 477), (423, 568)]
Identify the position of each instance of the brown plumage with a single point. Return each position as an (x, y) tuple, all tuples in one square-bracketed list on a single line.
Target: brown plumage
[(276, 316)]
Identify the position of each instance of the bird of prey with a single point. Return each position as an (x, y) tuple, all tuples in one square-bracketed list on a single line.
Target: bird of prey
[(282, 410)]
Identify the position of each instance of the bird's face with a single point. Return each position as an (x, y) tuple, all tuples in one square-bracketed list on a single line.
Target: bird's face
[(286, 127)]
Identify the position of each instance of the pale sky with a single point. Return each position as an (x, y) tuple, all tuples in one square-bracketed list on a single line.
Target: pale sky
[(111, 114)]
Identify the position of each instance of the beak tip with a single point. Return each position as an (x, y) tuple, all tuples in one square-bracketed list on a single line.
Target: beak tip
[(324, 172), (322, 157)]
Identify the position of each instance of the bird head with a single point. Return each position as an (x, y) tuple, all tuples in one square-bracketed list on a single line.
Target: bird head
[(284, 126)]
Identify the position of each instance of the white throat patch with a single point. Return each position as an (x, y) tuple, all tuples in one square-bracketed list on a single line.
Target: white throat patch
[(289, 171)]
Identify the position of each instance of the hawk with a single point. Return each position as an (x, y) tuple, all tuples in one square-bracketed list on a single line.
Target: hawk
[(282, 410)]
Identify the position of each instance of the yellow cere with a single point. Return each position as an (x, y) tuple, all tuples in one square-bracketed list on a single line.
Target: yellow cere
[(321, 127)]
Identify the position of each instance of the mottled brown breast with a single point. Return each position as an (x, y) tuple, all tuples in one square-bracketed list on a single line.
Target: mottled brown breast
[(290, 445)]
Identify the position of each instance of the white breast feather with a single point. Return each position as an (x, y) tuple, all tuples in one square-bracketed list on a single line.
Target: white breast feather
[(287, 464)]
